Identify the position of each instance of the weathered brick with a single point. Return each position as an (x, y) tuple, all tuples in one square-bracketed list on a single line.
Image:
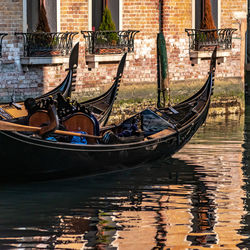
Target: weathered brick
[(140, 15)]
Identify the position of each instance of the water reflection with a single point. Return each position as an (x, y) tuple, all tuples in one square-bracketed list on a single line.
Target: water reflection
[(192, 201), (221, 157), (245, 229)]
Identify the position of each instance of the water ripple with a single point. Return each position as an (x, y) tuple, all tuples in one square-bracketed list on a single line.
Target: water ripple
[(195, 200)]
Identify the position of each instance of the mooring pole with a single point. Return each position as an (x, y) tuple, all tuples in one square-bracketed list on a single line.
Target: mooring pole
[(160, 90), (161, 16), (162, 63)]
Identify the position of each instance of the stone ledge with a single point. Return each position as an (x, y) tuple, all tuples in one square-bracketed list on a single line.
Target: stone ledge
[(6, 62), (94, 60), (50, 60), (197, 56), (44, 60)]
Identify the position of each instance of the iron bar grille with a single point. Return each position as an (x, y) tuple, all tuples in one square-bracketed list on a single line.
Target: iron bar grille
[(2, 35), (38, 44), (109, 42), (200, 39)]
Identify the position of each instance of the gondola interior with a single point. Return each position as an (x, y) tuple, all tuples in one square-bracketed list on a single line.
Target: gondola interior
[(145, 125)]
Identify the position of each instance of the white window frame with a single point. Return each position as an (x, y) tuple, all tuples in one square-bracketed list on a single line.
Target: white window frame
[(193, 14), (58, 5), (90, 14)]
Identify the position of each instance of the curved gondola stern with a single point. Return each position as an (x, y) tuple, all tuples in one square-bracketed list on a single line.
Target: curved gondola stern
[(104, 103), (73, 59), (121, 66), (208, 86), (113, 96), (73, 64), (66, 87), (114, 88), (213, 60), (213, 66), (211, 75)]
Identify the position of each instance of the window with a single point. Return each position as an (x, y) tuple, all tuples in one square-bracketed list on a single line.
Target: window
[(201, 41), (48, 10), (199, 12), (44, 15), (97, 10), (32, 15)]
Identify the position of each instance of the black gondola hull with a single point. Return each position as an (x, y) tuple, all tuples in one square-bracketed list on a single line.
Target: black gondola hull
[(25, 157)]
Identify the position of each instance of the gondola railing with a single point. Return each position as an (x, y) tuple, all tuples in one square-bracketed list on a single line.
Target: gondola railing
[(37, 44), (109, 42), (200, 39), (2, 35)]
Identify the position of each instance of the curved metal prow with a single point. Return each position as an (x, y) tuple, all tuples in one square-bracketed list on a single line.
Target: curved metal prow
[(73, 64), (213, 60), (213, 67), (121, 66), (73, 59), (66, 87)]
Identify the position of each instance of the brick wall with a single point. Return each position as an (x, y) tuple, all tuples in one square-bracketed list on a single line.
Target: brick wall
[(233, 14), (144, 16), (178, 16), (13, 78), (11, 20), (140, 15), (74, 15)]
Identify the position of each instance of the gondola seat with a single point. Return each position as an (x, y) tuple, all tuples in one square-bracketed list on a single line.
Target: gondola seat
[(39, 118), (82, 122)]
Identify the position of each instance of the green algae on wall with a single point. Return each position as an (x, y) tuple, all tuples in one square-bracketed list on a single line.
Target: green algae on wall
[(228, 97)]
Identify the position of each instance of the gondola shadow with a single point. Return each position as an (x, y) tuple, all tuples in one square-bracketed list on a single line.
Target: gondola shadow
[(41, 212)]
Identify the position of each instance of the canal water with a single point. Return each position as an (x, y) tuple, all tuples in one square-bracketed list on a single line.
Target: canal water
[(199, 199)]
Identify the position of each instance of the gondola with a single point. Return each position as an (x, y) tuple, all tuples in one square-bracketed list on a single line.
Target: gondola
[(146, 136), (101, 106)]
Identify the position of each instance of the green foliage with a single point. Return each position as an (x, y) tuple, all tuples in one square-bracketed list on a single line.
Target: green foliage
[(200, 37), (107, 24)]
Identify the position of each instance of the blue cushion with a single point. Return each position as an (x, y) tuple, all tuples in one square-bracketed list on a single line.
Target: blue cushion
[(78, 139)]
